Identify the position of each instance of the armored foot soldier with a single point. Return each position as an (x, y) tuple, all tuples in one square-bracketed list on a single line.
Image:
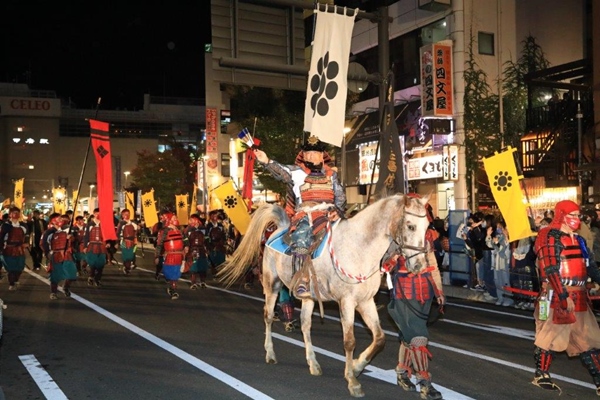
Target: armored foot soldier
[(196, 258), (569, 324), (170, 247), (13, 242), (217, 238), (319, 198), (95, 249), (411, 298), (127, 231), (59, 251), (79, 245)]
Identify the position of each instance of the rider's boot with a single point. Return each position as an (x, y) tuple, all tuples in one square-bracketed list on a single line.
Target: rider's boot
[(542, 378), (403, 369), (302, 289), (420, 360)]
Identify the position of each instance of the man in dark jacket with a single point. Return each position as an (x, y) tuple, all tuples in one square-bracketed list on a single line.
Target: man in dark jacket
[(36, 227)]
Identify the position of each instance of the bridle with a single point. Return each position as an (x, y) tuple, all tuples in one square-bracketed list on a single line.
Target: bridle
[(398, 240)]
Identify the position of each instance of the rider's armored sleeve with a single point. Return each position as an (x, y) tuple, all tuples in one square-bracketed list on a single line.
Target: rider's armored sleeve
[(339, 196), (279, 171)]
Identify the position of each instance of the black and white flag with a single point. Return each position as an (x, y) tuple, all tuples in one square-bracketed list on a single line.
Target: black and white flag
[(325, 108)]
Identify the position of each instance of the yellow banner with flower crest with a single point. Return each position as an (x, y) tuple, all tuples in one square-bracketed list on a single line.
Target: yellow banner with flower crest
[(19, 193), (505, 184), (149, 209), (181, 204), (59, 196)]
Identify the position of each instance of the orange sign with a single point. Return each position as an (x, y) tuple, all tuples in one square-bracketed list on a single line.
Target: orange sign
[(436, 80)]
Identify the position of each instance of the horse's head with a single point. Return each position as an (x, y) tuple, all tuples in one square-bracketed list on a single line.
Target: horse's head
[(409, 232)]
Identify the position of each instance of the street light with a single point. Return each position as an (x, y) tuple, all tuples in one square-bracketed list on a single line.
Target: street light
[(126, 173)]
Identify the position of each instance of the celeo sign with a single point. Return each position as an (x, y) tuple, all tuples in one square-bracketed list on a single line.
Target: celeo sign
[(29, 106), (437, 90)]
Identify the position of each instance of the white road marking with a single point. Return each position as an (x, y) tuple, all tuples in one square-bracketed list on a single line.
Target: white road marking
[(49, 388), (388, 376), (190, 359), (358, 324)]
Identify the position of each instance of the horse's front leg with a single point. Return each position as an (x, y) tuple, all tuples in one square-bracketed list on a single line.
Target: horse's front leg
[(347, 308), (368, 312), (308, 306), (269, 311)]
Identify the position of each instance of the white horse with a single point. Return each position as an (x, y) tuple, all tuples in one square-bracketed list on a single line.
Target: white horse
[(347, 271)]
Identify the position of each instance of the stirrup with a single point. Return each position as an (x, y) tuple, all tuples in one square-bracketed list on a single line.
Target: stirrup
[(405, 383), (544, 381)]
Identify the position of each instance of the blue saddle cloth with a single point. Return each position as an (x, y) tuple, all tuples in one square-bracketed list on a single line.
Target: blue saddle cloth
[(276, 243)]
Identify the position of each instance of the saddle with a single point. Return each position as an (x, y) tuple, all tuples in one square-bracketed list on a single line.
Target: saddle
[(281, 243)]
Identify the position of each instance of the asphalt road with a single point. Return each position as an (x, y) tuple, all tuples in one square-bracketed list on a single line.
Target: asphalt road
[(129, 340)]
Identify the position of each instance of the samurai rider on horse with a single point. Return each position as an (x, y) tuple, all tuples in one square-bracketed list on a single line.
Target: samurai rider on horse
[(319, 197)]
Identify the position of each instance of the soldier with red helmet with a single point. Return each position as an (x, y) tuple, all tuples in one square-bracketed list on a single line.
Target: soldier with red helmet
[(170, 249), (569, 324), (14, 240), (127, 231), (412, 294), (95, 249), (196, 257), (58, 247)]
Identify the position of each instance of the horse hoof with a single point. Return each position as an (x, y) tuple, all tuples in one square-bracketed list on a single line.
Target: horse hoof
[(356, 391), (316, 370), (271, 360)]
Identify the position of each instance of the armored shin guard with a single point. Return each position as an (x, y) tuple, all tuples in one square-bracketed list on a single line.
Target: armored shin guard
[(420, 359), (287, 310), (543, 360), (403, 369), (591, 360)]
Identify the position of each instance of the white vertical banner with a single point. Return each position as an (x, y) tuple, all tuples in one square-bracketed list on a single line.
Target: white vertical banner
[(325, 107)]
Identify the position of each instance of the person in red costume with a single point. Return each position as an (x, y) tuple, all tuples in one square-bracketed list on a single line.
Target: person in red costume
[(170, 249), (411, 297), (569, 324)]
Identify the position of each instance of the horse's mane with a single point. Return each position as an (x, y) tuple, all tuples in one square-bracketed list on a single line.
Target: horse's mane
[(389, 208)]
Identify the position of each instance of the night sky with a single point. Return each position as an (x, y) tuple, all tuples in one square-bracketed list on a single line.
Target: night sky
[(117, 50)]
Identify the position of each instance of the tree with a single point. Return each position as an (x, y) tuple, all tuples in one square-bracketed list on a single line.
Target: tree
[(275, 117), (481, 117), (162, 172), (515, 89)]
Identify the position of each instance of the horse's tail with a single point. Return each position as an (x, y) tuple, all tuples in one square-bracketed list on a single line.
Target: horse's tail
[(248, 251)]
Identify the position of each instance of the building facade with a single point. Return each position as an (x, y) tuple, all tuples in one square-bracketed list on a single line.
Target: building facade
[(44, 140)]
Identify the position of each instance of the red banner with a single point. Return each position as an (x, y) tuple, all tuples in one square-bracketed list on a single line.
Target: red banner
[(101, 147)]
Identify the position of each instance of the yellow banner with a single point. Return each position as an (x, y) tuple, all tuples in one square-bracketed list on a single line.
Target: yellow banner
[(59, 196), (181, 203), (194, 203), (6, 203), (149, 209), (506, 188), (19, 193), (129, 203), (233, 205)]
